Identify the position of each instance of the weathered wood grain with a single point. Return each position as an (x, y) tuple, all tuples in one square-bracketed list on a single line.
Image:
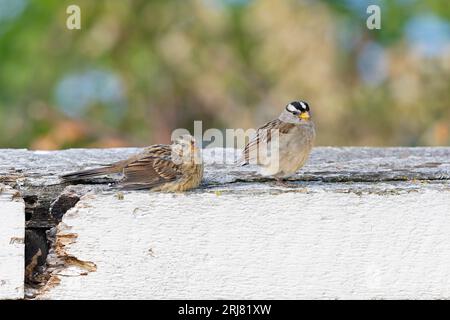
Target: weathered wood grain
[(329, 164), (35, 173), (12, 233)]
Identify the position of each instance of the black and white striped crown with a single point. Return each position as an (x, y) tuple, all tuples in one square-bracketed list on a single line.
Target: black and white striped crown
[(297, 106)]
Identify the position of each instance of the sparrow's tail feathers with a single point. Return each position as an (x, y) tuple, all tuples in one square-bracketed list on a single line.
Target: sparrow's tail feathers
[(90, 173), (136, 186)]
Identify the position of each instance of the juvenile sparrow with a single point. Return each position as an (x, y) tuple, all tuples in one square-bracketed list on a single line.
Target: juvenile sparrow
[(170, 168), (282, 146)]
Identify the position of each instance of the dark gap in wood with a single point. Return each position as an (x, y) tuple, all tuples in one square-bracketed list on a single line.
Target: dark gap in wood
[(44, 209)]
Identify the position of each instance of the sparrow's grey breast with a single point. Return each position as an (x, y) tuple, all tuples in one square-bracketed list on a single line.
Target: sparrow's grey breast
[(295, 147)]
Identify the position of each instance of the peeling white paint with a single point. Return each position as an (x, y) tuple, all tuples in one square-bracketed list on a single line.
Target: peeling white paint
[(12, 233), (319, 245)]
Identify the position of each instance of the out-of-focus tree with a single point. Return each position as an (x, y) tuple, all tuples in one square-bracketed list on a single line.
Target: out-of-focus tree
[(139, 69)]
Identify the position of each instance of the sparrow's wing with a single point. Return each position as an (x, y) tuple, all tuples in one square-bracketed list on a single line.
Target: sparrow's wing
[(151, 168), (263, 137), (156, 151)]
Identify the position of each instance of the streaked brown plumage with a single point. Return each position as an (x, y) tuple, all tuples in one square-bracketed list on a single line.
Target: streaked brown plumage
[(263, 136), (170, 168)]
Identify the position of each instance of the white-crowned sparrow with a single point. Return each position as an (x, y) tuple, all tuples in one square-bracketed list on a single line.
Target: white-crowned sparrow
[(282, 146), (170, 168)]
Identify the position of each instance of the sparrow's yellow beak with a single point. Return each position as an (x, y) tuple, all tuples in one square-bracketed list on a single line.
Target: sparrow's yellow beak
[(304, 115)]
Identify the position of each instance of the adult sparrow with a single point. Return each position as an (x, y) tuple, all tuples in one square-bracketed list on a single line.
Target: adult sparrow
[(282, 146)]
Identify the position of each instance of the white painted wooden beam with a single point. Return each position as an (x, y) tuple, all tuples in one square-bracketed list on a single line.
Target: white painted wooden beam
[(359, 223), (12, 233), (291, 245)]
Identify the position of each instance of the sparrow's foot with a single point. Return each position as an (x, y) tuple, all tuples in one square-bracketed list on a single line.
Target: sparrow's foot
[(285, 184)]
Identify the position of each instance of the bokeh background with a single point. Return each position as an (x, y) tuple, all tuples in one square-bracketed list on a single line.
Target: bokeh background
[(139, 69)]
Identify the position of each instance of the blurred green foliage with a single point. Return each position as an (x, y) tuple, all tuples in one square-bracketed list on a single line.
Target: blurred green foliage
[(139, 69)]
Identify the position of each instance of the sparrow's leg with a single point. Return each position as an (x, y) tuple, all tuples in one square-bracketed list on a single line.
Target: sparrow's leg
[(283, 183)]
